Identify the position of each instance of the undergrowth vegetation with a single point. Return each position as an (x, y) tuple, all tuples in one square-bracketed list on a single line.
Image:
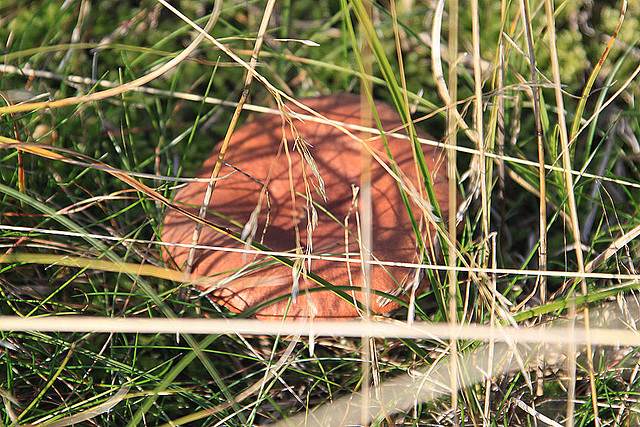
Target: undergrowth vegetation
[(522, 83)]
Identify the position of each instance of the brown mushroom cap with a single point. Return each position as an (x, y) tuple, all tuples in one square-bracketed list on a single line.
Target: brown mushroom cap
[(244, 281)]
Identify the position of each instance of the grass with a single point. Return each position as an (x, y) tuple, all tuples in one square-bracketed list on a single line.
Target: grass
[(567, 278)]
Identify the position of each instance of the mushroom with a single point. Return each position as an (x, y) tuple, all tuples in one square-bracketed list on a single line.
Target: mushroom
[(258, 178)]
